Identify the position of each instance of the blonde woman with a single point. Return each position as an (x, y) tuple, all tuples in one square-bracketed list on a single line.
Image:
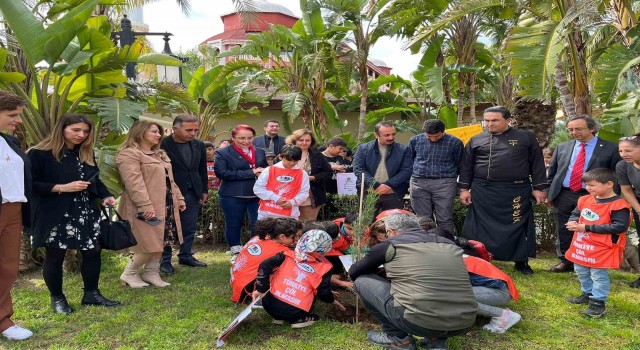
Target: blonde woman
[(64, 214), (150, 202), (319, 170)]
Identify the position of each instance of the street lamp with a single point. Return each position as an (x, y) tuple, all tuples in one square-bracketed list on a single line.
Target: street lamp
[(127, 36)]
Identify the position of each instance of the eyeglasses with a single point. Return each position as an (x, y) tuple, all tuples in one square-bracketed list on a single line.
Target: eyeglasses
[(630, 138), (576, 129), (249, 138)]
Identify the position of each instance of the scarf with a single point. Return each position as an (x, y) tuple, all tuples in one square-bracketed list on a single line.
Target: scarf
[(251, 160), (312, 241)]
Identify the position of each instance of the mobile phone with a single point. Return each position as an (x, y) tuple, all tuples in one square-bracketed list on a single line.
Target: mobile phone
[(93, 177), (153, 221)]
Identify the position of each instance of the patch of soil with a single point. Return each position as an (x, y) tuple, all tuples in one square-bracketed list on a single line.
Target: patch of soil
[(348, 300)]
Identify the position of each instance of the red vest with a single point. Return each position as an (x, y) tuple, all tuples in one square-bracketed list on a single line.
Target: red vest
[(341, 243), (595, 249), (486, 269), (283, 182), (245, 269), (296, 283)]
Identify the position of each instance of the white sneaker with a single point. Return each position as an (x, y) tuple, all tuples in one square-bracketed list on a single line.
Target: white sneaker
[(17, 333), (502, 323)]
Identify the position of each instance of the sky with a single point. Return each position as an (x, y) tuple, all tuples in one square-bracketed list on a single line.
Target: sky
[(204, 21)]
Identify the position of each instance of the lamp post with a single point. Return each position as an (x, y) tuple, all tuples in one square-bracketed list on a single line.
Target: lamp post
[(127, 36), (170, 74)]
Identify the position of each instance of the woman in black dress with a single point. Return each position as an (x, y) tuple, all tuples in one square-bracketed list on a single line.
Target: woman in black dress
[(64, 212)]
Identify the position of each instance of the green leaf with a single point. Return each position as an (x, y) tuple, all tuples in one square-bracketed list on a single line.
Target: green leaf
[(534, 52), (62, 31), (159, 59), (13, 77), (395, 82), (433, 84), (293, 103), (448, 116), (119, 113), (27, 29), (625, 106), (613, 63)]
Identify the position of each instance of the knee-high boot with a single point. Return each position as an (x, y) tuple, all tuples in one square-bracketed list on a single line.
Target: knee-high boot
[(131, 274), (151, 273)]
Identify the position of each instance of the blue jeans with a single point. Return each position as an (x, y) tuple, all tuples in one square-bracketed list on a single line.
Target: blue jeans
[(189, 224), (375, 292), (234, 209), (594, 281)]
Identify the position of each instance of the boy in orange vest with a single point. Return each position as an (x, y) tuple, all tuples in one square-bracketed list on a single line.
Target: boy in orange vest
[(293, 279), (599, 223), (282, 187)]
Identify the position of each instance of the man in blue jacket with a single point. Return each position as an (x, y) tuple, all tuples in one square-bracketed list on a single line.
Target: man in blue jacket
[(386, 166)]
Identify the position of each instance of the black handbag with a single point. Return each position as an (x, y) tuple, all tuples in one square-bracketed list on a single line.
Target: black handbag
[(115, 235)]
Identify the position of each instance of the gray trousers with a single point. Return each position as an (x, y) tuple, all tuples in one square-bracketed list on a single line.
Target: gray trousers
[(488, 300), (375, 293), (427, 194)]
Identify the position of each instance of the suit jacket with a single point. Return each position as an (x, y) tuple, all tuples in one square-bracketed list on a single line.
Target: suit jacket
[(605, 155), (48, 208), (261, 142), (236, 175), (192, 175), (15, 146)]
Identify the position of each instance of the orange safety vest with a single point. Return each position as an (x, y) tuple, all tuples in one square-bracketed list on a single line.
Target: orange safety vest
[(341, 243), (486, 269), (597, 250), (296, 283), (245, 268), (283, 182)]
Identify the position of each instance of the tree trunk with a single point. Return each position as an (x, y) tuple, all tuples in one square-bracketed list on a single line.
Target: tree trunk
[(472, 97), (461, 93), (566, 97), (582, 98), (537, 117)]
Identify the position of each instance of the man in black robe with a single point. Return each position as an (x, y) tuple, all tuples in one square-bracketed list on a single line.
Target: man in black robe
[(503, 169)]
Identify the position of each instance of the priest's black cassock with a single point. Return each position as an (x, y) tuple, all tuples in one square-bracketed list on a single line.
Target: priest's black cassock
[(501, 170)]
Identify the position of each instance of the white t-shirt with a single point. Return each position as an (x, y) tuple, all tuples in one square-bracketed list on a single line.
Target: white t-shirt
[(11, 174)]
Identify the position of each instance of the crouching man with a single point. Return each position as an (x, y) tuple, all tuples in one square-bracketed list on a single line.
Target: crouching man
[(427, 294)]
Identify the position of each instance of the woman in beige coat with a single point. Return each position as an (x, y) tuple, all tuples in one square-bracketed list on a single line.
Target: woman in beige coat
[(150, 202)]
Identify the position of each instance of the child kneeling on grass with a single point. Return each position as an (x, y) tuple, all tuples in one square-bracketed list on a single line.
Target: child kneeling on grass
[(282, 187), (272, 237), (299, 277), (599, 223)]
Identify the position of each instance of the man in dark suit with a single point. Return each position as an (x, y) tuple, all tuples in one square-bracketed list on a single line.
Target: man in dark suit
[(270, 139), (189, 163), (570, 160)]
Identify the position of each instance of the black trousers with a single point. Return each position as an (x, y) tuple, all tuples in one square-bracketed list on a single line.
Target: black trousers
[(89, 269), (280, 310), (563, 205), (388, 201)]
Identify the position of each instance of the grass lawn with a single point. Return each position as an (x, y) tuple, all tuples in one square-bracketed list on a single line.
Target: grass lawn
[(196, 308)]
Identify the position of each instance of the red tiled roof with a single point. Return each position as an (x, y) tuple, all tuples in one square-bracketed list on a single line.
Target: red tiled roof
[(233, 34)]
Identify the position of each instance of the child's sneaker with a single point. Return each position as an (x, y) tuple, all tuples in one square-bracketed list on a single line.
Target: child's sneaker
[(596, 308), (277, 321), (502, 323), (387, 341), (582, 299), (258, 305), (305, 321)]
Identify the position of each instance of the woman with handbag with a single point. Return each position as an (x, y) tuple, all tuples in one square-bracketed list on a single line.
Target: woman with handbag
[(64, 212), (150, 202)]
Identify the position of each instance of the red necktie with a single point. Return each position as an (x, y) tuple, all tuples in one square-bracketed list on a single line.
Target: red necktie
[(575, 181)]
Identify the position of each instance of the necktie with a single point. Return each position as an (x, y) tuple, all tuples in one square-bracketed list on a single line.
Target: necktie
[(575, 181), (271, 144)]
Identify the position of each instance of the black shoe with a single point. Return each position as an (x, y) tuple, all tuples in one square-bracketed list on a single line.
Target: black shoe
[(635, 284), (60, 306), (596, 308), (167, 268), (305, 321), (192, 262), (582, 299), (563, 266), (523, 267), (93, 297)]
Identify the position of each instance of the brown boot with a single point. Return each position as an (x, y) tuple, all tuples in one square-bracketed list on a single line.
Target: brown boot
[(131, 276), (151, 272)]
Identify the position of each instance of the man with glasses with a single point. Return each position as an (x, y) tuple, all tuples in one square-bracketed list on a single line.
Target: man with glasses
[(570, 161)]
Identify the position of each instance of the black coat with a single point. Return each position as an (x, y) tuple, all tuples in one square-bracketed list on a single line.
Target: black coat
[(321, 170), (48, 208), (235, 173), (15, 146), (261, 142), (192, 175)]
